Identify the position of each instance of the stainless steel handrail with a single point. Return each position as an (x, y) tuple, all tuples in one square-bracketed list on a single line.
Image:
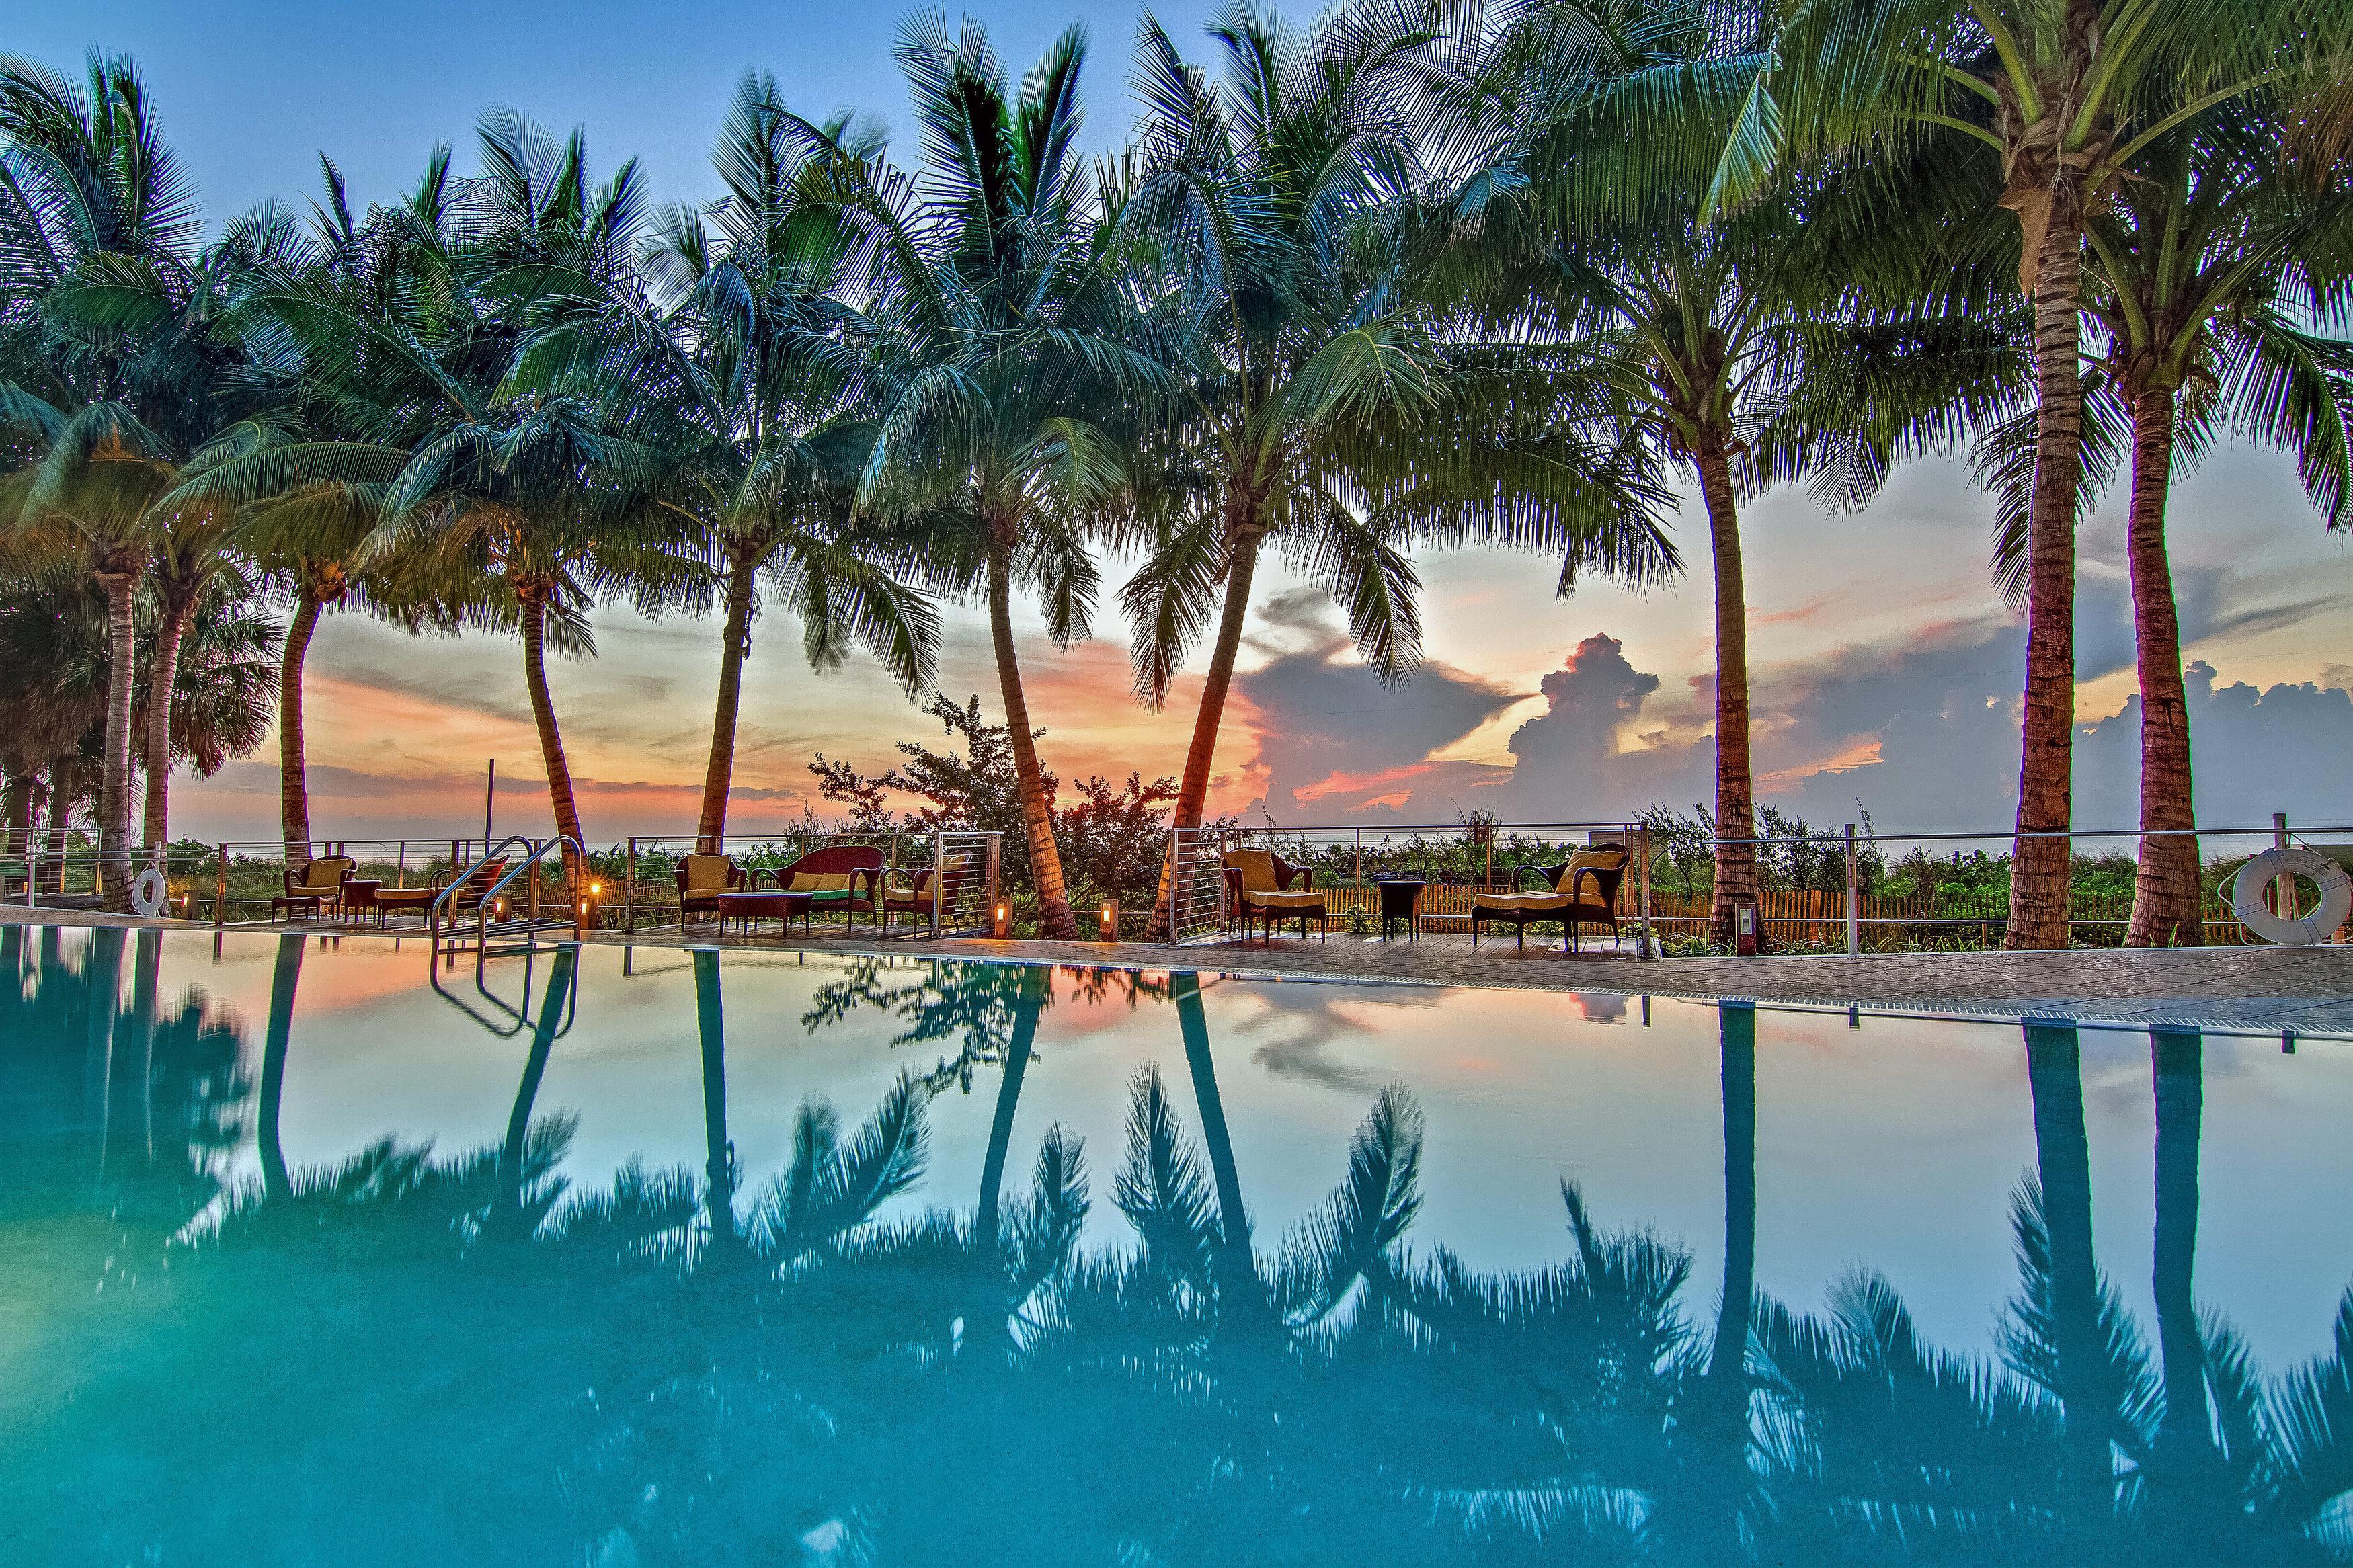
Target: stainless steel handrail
[(528, 863)]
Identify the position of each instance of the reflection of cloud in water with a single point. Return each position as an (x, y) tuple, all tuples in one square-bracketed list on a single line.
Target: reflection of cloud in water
[(1311, 1017), (1604, 1007)]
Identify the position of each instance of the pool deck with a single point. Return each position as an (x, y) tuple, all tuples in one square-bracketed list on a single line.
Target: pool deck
[(2308, 991)]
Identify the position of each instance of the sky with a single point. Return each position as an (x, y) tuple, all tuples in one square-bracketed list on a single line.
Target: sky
[(1886, 670)]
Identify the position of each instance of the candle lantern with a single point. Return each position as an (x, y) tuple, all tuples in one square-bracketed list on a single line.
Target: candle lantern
[(1107, 922), (1002, 922)]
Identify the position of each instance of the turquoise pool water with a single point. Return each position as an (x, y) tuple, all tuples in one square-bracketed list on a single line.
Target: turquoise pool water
[(661, 1257)]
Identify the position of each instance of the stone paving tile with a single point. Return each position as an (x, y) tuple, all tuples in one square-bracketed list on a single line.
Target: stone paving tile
[(2308, 990)]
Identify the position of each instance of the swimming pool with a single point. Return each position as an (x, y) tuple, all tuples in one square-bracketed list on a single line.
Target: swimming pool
[(650, 1258)]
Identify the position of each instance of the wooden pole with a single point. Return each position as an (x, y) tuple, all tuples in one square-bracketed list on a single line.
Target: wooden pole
[(1854, 899), (220, 888)]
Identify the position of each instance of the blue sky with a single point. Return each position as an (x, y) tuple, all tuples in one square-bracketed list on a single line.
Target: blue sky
[(1884, 667)]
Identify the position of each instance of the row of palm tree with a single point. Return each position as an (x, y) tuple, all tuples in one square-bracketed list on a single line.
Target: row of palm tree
[(1409, 277), (726, 1374)]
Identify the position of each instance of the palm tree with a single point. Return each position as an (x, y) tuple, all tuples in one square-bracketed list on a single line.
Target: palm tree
[(1001, 317), (2209, 269), (307, 475), (2053, 109), (1795, 337), (767, 389), (1314, 384), (94, 206)]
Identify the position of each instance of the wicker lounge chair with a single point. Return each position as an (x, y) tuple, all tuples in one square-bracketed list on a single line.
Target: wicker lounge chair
[(1260, 886), (1583, 888), (701, 879), (844, 879), (916, 895), (315, 887)]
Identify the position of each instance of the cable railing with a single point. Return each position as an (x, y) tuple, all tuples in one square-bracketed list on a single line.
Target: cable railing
[(1817, 891), (1854, 889)]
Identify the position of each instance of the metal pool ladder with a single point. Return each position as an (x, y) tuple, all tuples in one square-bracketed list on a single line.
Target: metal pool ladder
[(491, 936)]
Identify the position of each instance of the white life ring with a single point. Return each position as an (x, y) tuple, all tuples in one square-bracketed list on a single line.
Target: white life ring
[(148, 893), (2287, 931)]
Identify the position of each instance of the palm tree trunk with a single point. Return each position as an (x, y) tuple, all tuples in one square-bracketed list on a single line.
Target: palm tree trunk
[(2040, 867), (65, 783), (1193, 792), (121, 590), (2178, 1065), (543, 712), (1735, 864), (293, 781), (171, 632), (276, 1182), (2166, 899), (743, 578), (1028, 1002), (2063, 1156), (718, 1149), (1036, 812)]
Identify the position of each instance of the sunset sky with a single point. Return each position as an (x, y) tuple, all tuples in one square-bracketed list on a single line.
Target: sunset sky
[(1885, 666)]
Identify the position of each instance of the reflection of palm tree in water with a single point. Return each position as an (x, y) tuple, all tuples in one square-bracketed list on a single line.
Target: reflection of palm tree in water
[(719, 1150), (284, 977)]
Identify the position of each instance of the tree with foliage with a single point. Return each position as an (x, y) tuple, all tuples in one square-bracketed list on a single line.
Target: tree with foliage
[(1005, 346), (2053, 110), (1323, 407), (2216, 274), (1792, 338)]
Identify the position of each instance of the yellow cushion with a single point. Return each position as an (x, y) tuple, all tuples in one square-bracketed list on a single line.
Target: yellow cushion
[(1522, 901), (325, 875), (708, 873), (1257, 867), (1589, 859), (819, 882), (1267, 899)]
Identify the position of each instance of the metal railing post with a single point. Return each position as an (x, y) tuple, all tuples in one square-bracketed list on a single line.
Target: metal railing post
[(1360, 863), (995, 843), (1642, 840), (939, 876), (400, 871), (1176, 871), (536, 850), (629, 889), (220, 889), (1854, 899)]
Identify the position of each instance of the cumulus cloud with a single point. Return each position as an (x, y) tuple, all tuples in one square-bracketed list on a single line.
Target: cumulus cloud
[(2286, 748), (1332, 742)]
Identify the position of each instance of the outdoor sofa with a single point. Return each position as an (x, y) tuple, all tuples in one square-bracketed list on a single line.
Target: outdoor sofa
[(846, 879)]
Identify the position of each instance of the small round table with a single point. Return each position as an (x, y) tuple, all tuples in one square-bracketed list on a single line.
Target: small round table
[(767, 904), (1400, 900), (359, 900)]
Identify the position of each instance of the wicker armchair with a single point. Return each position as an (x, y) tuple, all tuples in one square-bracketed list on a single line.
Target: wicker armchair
[(701, 879), (920, 896), (316, 886), (1262, 885), (1583, 888)]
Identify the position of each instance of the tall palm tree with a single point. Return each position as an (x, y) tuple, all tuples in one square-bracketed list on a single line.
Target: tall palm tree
[(2217, 273), (2053, 110), (307, 475), (1795, 337), (762, 374), (1003, 322), (1323, 407), (93, 208)]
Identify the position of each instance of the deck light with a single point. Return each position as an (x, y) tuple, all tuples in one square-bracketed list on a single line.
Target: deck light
[(1003, 924), (1107, 922)]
